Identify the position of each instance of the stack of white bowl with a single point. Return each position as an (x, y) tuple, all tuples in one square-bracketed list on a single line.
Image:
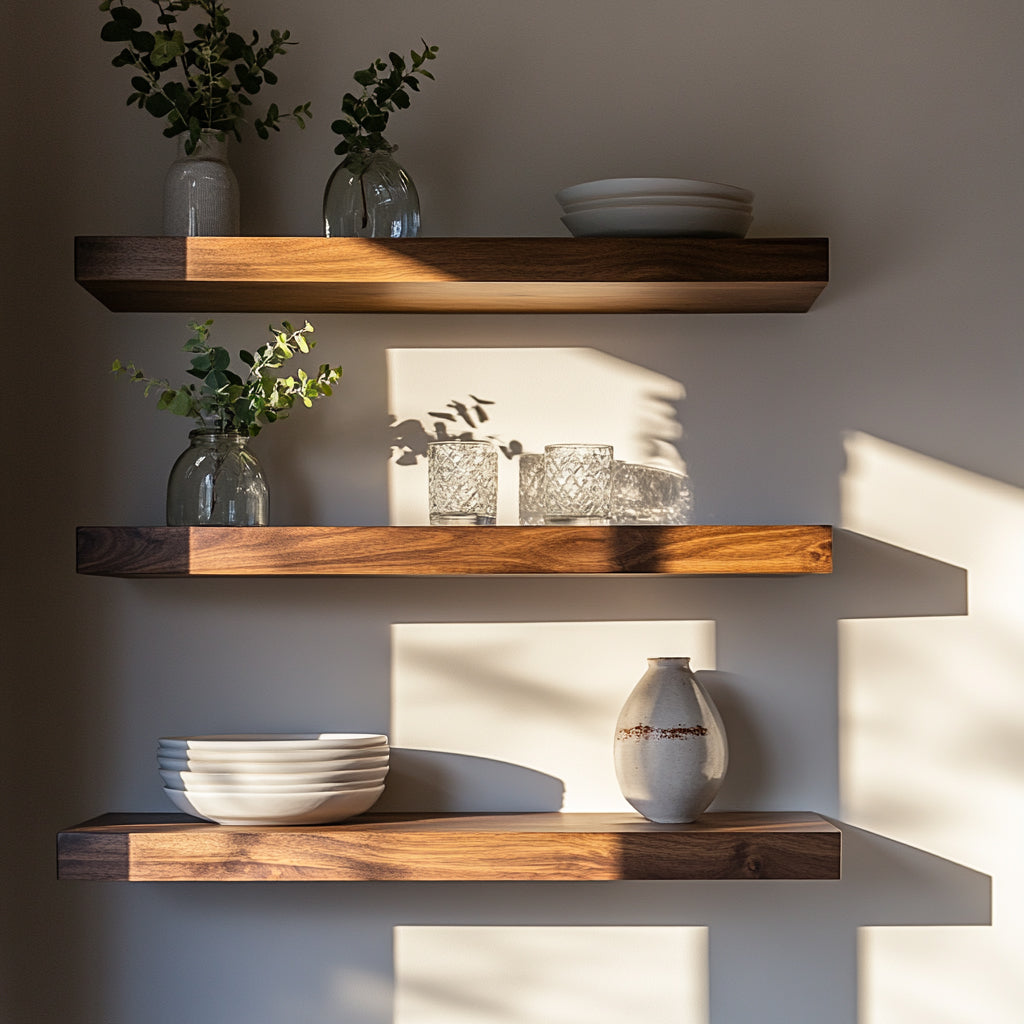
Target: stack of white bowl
[(635, 207), (274, 779)]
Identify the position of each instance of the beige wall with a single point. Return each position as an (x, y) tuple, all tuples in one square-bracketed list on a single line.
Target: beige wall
[(887, 695)]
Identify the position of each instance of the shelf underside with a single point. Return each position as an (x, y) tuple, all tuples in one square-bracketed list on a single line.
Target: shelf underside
[(453, 847), (453, 275), (175, 551)]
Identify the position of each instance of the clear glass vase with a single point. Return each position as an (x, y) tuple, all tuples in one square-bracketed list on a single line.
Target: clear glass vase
[(201, 190), (379, 202), (217, 481)]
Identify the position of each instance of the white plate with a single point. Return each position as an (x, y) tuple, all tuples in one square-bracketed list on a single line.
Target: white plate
[(270, 756), (232, 766), (175, 776), (607, 187), (278, 791), (274, 741), (219, 781), (600, 204), (651, 221), (280, 809)]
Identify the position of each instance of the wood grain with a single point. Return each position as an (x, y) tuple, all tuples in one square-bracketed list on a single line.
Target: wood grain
[(442, 275), (452, 847), (452, 551)]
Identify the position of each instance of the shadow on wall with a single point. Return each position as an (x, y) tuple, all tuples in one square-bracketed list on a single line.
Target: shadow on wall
[(522, 399), (424, 780)]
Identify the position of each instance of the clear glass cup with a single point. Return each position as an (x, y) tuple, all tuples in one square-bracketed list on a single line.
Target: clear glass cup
[(649, 495), (577, 484), (462, 480), (531, 489)]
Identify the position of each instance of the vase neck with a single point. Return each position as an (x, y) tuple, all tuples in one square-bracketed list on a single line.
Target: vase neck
[(211, 145), (213, 437)]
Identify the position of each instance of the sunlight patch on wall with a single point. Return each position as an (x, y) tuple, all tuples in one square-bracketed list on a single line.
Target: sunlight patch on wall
[(550, 975), (522, 399), (932, 730), (542, 696)]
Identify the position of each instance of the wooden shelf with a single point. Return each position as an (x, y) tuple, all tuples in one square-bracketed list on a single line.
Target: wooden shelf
[(453, 275), (174, 551), (452, 847)]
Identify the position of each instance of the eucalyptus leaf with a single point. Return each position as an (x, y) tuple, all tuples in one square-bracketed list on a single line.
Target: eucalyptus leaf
[(214, 70), (228, 401), (366, 116)]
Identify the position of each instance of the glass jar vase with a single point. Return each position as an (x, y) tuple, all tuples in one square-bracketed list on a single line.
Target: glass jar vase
[(217, 481), (201, 190), (378, 202)]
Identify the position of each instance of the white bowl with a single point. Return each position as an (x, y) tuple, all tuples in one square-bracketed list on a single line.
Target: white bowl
[(322, 787), (600, 204), (605, 188), (174, 777), (270, 756), (275, 742), (654, 221), (323, 780), (235, 767), (275, 809)]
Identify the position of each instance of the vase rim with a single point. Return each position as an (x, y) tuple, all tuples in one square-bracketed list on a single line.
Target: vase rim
[(215, 432), (673, 657)]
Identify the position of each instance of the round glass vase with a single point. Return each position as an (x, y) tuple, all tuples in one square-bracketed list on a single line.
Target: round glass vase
[(217, 481), (379, 202), (201, 190)]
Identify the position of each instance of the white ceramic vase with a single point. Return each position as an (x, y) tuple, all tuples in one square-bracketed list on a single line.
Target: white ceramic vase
[(200, 190), (670, 746)]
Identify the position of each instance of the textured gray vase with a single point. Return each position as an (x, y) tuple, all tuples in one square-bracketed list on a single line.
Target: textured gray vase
[(201, 191), (670, 747)]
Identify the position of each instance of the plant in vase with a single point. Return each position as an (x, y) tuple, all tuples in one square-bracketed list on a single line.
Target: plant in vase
[(217, 480), (370, 195), (201, 84)]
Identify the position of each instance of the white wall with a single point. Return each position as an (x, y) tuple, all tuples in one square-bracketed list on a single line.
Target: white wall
[(887, 695)]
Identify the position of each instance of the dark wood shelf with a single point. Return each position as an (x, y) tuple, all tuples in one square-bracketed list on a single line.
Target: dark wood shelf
[(175, 551), (453, 847), (453, 275)]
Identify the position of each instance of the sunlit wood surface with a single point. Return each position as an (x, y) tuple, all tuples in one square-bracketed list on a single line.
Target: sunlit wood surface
[(452, 275), (453, 847), (452, 551)]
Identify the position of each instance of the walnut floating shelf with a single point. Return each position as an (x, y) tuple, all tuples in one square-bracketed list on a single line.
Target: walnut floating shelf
[(453, 848), (452, 551), (453, 275)]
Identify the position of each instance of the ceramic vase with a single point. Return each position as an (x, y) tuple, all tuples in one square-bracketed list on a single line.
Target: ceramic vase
[(217, 481), (200, 190), (670, 747)]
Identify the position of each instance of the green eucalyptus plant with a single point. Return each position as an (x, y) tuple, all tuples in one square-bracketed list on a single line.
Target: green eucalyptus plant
[(199, 83), (229, 402), (365, 117)]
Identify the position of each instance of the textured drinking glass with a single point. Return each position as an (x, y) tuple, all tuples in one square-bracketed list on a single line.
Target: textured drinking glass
[(648, 495), (463, 483), (577, 484), (531, 489)]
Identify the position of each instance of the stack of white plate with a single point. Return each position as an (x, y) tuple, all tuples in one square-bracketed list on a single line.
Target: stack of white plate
[(637, 207), (274, 779)]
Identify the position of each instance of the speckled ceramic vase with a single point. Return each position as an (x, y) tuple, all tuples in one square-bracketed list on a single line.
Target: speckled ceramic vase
[(670, 747), (201, 190)]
